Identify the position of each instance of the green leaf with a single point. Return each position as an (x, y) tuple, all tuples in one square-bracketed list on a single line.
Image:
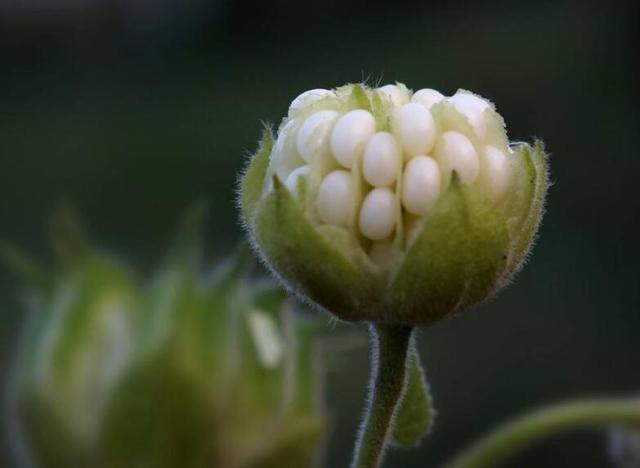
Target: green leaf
[(252, 180), (455, 260), (27, 270), (414, 417), (308, 262)]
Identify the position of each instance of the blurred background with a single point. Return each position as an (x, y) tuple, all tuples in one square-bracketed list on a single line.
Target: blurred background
[(132, 109)]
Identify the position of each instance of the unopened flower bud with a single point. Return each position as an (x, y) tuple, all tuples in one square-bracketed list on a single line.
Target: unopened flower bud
[(393, 206)]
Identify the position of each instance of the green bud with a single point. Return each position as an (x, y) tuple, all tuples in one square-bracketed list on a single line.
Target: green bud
[(386, 205), (186, 371)]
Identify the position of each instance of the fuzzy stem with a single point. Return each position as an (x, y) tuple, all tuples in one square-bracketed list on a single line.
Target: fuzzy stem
[(390, 349), (500, 445)]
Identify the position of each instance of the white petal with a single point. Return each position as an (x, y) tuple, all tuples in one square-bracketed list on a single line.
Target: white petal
[(427, 97), (335, 198), (307, 98), (472, 107), (313, 134), (378, 214), (381, 160), (497, 172), (455, 152), (420, 185), (415, 128), (395, 94), (294, 177), (350, 135)]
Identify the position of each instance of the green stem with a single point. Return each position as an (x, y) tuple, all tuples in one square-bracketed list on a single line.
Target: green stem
[(390, 345), (506, 440)]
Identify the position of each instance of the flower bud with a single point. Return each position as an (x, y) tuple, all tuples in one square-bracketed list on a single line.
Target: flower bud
[(387, 205), (183, 372)]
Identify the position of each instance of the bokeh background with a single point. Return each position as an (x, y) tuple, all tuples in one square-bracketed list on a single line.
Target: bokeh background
[(132, 109)]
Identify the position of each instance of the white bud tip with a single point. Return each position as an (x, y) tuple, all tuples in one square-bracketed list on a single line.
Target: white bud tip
[(394, 94), (456, 153), (427, 97), (336, 198), (415, 128), (312, 133), (420, 185), (472, 107), (350, 135), (498, 172), (382, 160), (378, 214), (307, 98), (294, 177)]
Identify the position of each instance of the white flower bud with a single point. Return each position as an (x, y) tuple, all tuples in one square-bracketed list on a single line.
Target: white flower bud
[(350, 135), (378, 214), (427, 97), (420, 185), (336, 198), (415, 128), (382, 160), (455, 152), (312, 136)]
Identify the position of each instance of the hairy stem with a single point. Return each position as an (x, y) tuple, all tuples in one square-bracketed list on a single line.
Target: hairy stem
[(390, 345), (506, 440)]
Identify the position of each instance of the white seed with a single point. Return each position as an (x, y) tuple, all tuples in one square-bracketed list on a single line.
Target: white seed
[(313, 133), (395, 94), (420, 185), (472, 107), (415, 128), (307, 98), (350, 135), (335, 198), (294, 177), (427, 97), (455, 152), (378, 214), (497, 172), (381, 160)]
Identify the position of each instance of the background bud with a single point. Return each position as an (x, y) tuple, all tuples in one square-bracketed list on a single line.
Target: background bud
[(183, 372)]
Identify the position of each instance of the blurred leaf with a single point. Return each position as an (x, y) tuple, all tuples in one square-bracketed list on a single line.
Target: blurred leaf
[(187, 247), (27, 270), (70, 242), (415, 415)]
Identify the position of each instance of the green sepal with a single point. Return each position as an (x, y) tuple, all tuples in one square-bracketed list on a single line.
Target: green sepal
[(527, 207), (254, 177), (414, 418), (307, 261), (455, 260)]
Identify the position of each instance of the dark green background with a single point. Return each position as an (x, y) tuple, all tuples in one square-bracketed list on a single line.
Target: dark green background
[(131, 114)]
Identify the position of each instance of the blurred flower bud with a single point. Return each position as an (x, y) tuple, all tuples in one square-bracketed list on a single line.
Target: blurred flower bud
[(186, 372), (387, 205)]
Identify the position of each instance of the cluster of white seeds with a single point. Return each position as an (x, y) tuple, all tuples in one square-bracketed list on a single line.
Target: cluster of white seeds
[(373, 178)]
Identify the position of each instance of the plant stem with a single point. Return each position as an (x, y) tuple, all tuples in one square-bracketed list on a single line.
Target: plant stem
[(506, 440), (390, 349)]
